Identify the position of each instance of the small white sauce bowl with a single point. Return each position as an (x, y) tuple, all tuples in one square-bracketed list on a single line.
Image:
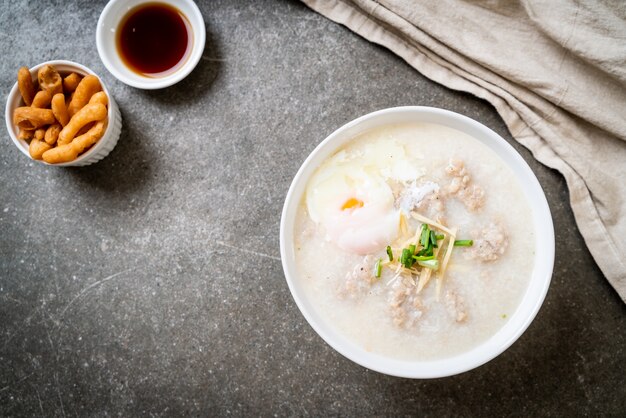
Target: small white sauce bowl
[(101, 149), (108, 24), (532, 298)]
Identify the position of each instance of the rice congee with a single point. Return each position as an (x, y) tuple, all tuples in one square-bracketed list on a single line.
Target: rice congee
[(415, 241)]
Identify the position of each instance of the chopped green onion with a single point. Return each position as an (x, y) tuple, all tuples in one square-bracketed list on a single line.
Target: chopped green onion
[(426, 251), (463, 243), (389, 253), (412, 249), (378, 268), (423, 258), (424, 238), (439, 237), (433, 239), (430, 264), (406, 259)]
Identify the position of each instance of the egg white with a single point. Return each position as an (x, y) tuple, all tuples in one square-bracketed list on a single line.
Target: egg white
[(350, 197)]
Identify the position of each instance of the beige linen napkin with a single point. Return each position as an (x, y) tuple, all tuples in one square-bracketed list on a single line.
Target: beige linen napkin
[(555, 70)]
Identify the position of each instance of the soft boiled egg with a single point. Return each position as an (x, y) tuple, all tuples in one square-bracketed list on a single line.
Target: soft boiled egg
[(350, 197)]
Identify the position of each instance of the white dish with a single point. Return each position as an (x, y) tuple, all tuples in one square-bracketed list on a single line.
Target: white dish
[(97, 152), (109, 22), (532, 298)]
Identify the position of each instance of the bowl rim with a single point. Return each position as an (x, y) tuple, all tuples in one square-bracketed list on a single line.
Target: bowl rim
[(14, 95), (530, 302), (103, 37)]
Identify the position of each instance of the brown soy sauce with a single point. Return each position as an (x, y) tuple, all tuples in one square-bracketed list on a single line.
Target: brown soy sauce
[(154, 39)]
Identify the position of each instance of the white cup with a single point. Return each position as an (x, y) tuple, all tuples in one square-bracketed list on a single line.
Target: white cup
[(109, 23), (101, 149)]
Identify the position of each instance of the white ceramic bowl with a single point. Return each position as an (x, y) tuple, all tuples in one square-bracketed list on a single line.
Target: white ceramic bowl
[(101, 149), (532, 298), (108, 23)]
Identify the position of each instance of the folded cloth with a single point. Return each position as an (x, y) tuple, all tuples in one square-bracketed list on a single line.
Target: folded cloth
[(555, 70)]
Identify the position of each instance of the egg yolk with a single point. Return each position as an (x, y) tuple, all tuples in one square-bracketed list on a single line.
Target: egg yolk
[(352, 203)]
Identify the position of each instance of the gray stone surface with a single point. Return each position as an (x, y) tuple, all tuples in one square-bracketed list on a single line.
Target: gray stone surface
[(150, 283)]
